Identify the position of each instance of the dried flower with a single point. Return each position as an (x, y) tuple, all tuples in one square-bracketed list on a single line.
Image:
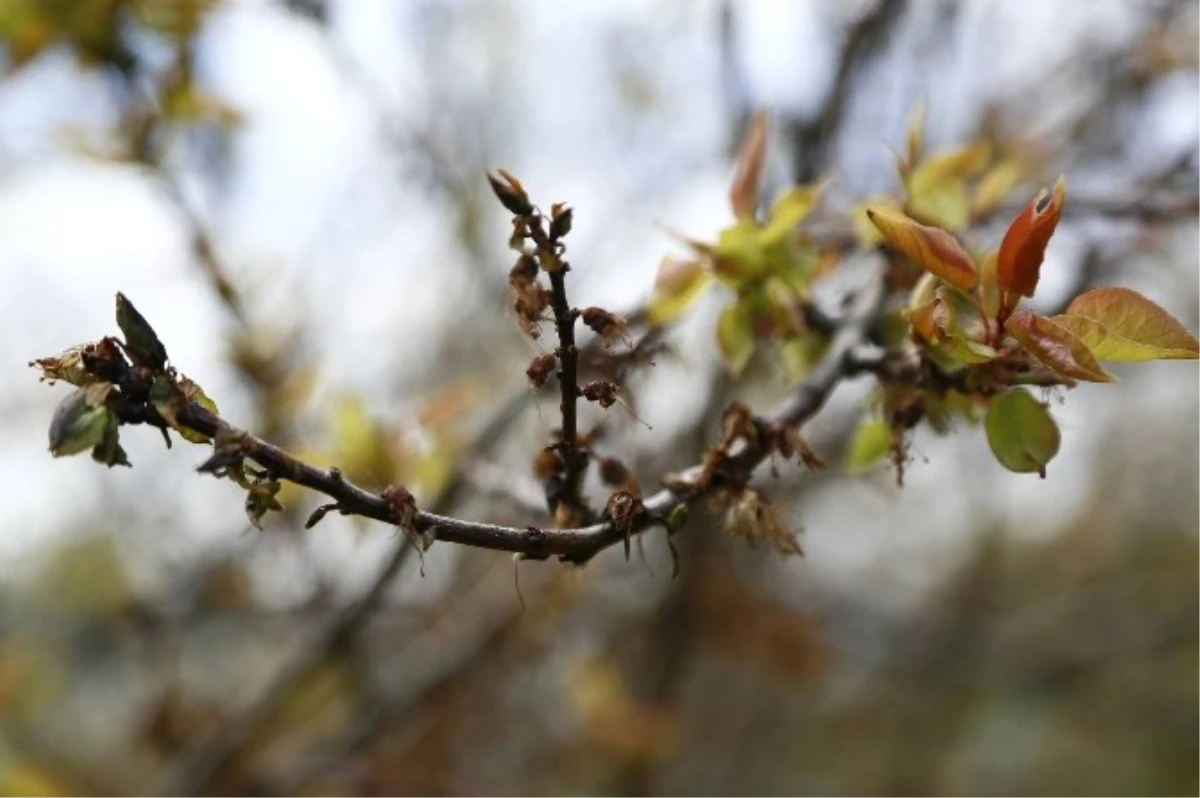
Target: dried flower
[(758, 520), (540, 369), (602, 392), (609, 326)]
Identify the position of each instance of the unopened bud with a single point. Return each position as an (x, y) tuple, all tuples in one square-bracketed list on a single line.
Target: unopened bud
[(510, 192), (561, 218)]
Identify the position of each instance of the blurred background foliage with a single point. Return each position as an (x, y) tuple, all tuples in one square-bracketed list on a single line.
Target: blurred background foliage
[(293, 193)]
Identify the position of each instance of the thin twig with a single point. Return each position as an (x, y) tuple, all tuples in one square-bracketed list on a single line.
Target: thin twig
[(568, 380)]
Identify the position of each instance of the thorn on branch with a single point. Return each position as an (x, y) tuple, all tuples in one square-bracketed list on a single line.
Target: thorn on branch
[(517, 578), (623, 509), (319, 514)]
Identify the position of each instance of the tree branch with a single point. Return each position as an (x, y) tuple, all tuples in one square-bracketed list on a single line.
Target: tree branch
[(576, 544)]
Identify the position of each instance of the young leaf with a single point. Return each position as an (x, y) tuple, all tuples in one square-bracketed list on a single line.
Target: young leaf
[(1056, 347), (938, 190), (740, 253), (929, 321), (108, 451), (914, 135), (1024, 245), (934, 249), (995, 186), (141, 343), (864, 229), (735, 337), (872, 440), (1120, 324), (194, 393), (1021, 432), (950, 167), (965, 350), (743, 192), (788, 211), (678, 285)]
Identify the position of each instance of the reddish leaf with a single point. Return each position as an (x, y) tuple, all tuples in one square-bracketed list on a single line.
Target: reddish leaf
[(743, 192), (934, 249), (1024, 246), (1055, 347)]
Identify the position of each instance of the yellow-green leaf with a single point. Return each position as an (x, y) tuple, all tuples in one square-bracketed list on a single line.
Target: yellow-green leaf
[(950, 167), (872, 440), (194, 393), (996, 184), (740, 253), (735, 337), (947, 206), (788, 211), (678, 285), (965, 350), (934, 249), (1056, 347), (799, 355), (1021, 432), (1120, 324), (866, 231)]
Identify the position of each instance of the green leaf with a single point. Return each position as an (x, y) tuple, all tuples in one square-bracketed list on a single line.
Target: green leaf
[(1121, 325), (872, 440), (261, 498), (950, 168), (194, 393), (141, 342), (799, 355), (109, 451), (948, 206), (740, 254), (735, 337), (678, 285), (1021, 432), (965, 350), (788, 211)]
